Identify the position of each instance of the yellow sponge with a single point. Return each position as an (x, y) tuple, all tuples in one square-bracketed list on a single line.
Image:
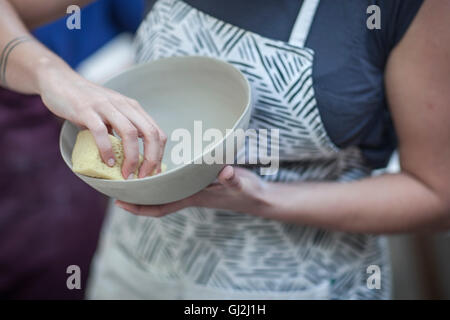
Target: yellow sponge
[(86, 158)]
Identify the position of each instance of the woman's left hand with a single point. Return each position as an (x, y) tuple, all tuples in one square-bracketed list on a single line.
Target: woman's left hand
[(236, 189)]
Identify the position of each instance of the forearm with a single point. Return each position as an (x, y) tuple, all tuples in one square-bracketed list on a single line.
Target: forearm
[(25, 62), (385, 204)]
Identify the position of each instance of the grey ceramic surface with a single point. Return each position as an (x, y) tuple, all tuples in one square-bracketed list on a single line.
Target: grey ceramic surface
[(176, 92)]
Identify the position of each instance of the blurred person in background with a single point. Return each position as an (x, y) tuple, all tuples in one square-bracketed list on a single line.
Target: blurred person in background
[(342, 96), (49, 219)]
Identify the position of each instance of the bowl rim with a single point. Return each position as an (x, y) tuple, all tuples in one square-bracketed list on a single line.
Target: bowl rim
[(175, 169)]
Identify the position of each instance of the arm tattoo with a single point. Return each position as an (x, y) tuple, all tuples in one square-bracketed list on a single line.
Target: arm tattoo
[(5, 55)]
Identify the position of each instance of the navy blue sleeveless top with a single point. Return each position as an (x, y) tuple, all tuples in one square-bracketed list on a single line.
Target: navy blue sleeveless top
[(349, 60)]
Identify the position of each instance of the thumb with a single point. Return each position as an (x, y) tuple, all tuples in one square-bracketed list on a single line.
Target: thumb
[(228, 178)]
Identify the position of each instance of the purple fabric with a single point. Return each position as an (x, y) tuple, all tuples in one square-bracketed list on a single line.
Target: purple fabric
[(49, 219)]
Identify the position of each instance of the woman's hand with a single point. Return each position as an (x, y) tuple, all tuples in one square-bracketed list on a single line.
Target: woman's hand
[(32, 69), (236, 189), (100, 110)]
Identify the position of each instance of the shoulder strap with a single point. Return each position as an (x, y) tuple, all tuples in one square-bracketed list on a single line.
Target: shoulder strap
[(303, 23)]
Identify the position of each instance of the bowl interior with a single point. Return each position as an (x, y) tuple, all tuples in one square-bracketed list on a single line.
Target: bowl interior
[(176, 92)]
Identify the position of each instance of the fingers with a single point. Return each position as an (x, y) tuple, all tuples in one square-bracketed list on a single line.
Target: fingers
[(107, 111), (161, 135), (229, 178), (129, 135), (100, 133), (156, 211), (140, 210), (133, 208), (153, 137), (131, 122)]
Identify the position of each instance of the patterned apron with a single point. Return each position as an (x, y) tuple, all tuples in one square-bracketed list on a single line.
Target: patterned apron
[(200, 253)]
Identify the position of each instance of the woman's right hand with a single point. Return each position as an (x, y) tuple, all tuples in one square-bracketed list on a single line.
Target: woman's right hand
[(30, 68), (99, 109)]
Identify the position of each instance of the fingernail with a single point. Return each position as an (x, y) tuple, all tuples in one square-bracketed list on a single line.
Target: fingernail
[(111, 162), (131, 176)]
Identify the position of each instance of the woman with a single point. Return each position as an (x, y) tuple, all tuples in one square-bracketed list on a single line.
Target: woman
[(319, 75)]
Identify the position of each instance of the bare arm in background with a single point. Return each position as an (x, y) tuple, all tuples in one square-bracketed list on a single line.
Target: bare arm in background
[(416, 199), (28, 67)]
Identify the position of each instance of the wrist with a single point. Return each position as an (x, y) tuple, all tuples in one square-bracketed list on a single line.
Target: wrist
[(267, 204), (50, 73), (279, 201)]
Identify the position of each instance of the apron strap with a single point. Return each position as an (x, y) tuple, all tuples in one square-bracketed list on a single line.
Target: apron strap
[(303, 23)]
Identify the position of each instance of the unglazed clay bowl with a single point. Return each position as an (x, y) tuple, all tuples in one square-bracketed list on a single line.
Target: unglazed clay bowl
[(176, 92)]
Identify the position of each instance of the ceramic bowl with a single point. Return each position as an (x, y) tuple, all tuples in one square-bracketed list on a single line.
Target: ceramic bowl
[(176, 92)]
